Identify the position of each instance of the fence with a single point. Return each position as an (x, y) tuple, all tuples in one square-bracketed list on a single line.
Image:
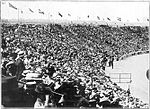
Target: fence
[(120, 77), (133, 54)]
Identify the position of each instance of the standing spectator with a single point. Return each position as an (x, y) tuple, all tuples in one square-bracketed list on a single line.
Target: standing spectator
[(40, 101), (111, 62), (11, 67), (20, 65)]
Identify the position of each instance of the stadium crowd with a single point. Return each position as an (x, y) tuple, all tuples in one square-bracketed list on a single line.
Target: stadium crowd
[(64, 65)]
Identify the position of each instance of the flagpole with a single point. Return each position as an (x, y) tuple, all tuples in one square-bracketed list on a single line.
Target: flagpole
[(18, 14), (49, 16)]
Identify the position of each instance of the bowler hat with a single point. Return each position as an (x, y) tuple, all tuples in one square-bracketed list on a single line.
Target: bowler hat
[(40, 89)]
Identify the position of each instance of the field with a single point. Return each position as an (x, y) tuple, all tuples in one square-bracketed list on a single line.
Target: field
[(137, 66)]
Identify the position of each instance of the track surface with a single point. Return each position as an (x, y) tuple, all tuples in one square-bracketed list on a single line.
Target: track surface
[(137, 66)]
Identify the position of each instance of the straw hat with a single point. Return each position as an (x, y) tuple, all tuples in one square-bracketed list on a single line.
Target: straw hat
[(104, 99), (33, 75), (9, 63)]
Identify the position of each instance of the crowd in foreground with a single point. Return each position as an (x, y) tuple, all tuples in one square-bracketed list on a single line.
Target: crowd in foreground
[(64, 65)]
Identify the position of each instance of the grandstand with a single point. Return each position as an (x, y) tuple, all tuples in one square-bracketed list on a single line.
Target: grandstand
[(63, 58)]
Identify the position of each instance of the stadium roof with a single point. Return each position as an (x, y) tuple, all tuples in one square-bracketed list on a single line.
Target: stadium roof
[(84, 11)]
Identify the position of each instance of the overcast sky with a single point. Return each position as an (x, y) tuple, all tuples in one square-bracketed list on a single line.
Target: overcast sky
[(78, 10)]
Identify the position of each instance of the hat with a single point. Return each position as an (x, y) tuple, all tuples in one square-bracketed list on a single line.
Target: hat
[(40, 89), (13, 55), (9, 63), (94, 88), (87, 91), (38, 69), (25, 72), (117, 99), (17, 50), (104, 99), (32, 75), (31, 83), (4, 54), (21, 53)]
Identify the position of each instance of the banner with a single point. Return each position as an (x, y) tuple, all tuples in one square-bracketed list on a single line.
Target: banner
[(41, 12), (31, 10), (12, 6), (60, 15)]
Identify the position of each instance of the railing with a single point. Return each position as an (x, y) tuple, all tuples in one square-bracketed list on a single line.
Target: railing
[(132, 54), (120, 77)]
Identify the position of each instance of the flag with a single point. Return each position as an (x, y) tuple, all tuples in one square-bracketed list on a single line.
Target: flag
[(138, 20), (88, 16), (41, 12), (31, 10), (147, 19), (118, 18), (69, 15), (98, 18), (108, 19), (21, 12), (12, 6), (60, 15), (3, 3)]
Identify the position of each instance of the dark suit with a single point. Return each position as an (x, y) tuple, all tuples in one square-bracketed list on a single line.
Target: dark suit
[(20, 68)]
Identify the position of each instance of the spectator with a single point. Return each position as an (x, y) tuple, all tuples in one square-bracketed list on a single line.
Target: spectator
[(71, 53), (20, 65)]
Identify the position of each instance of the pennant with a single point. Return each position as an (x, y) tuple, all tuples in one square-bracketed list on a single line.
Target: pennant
[(60, 15), (69, 15), (78, 17), (3, 3), (118, 18), (41, 12), (21, 12), (10, 5), (108, 19), (98, 17), (31, 10)]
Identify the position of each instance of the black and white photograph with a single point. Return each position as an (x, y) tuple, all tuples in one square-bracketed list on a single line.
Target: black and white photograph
[(74, 54)]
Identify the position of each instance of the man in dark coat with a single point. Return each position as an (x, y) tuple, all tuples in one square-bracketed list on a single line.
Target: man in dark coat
[(11, 66), (111, 62), (11, 69), (20, 65), (51, 70), (10, 96)]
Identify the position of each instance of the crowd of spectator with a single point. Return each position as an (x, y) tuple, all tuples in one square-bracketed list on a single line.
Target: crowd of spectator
[(71, 53)]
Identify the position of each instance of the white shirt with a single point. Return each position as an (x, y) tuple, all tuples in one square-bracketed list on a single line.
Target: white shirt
[(39, 104)]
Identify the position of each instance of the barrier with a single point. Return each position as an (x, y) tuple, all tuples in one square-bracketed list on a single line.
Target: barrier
[(120, 77), (132, 54)]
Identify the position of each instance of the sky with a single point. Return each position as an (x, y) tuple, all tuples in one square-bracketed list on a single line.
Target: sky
[(127, 11)]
